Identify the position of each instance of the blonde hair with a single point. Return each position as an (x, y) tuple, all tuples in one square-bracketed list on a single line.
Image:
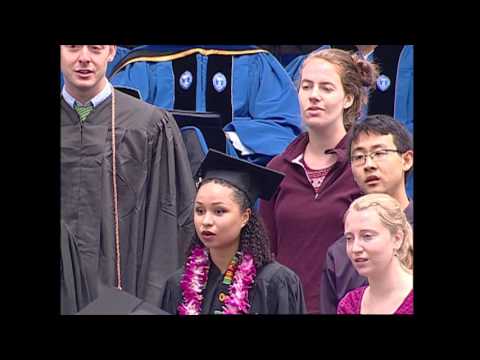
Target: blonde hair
[(393, 218), (358, 77)]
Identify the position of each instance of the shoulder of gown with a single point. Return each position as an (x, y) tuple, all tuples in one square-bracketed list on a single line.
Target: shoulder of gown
[(284, 289), (172, 294)]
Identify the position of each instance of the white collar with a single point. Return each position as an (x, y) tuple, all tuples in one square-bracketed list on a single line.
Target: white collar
[(96, 100)]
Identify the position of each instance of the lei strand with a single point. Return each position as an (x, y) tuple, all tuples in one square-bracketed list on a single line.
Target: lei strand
[(193, 282), (237, 300), (195, 279)]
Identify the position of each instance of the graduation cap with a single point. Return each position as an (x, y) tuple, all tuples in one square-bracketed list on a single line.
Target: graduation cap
[(112, 301), (254, 180)]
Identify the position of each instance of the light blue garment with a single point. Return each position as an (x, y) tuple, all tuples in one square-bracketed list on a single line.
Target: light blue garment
[(265, 108), (95, 101), (403, 109)]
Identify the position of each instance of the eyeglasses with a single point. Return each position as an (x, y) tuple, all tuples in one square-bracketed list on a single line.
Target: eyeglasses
[(379, 155)]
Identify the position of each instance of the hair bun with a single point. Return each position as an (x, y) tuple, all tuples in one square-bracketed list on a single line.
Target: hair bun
[(368, 71)]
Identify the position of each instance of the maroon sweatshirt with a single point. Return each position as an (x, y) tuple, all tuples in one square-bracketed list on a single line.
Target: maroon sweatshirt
[(302, 224)]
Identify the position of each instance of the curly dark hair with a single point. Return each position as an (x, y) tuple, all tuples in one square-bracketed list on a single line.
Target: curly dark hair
[(253, 236)]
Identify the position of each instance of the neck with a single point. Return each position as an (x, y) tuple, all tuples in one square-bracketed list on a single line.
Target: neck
[(318, 142), (401, 196), (394, 279), (222, 257)]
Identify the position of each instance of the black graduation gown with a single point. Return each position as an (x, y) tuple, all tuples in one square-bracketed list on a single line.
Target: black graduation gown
[(339, 276), (74, 294), (276, 290), (155, 194)]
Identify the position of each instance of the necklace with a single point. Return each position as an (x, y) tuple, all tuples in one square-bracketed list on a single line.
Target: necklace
[(194, 280)]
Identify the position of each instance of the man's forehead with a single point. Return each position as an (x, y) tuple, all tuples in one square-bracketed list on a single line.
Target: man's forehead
[(372, 139)]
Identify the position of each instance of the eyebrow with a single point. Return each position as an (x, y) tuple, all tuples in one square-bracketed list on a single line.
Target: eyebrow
[(215, 203), (322, 82), (362, 231), (368, 230), (378, 146)]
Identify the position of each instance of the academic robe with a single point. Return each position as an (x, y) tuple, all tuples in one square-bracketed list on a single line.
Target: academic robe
[(155, 194), (247, 86), (403, 109), (276, 290), (74, 293)]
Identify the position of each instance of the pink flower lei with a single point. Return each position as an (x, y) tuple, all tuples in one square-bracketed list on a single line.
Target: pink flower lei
[(195, 279)]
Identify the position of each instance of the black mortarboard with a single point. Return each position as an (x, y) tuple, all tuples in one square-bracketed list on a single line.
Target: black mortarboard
[(112, 301), (254, 180)]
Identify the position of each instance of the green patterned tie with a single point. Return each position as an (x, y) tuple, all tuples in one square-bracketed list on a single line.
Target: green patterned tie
[(83, 111)]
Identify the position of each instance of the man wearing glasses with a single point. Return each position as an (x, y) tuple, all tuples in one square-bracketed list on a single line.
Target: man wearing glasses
[(381, 156)]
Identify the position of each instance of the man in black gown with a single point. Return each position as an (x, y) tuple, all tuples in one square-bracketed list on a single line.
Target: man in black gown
[(131, 229)]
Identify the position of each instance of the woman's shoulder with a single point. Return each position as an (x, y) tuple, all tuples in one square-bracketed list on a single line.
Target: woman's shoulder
[(296, 147), (277, 162), (407, 305)]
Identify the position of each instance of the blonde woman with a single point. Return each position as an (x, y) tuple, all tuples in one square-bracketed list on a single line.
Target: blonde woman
[(380, 246)]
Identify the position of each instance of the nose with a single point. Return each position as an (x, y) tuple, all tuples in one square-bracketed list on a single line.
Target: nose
[(356, 248), (315, 93), (84, 54), (207, 219), (369, 163)]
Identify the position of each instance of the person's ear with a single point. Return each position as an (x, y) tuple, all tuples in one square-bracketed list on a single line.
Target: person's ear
[(398, 239), (407, 158), (112, 50), (348, 101), (246, 216)]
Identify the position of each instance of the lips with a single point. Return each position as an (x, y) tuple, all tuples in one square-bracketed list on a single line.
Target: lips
[(372, 178), (84, 73), (360, 262), (315, 108), (207, 235)]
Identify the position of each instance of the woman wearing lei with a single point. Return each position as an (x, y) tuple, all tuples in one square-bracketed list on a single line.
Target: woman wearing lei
[(229, 267)]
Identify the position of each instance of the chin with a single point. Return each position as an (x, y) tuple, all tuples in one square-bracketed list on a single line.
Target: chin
[(312, 121), (215, 245), (208, 244), (375, 189), (84, 85), (363, 272), (318, 123)]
